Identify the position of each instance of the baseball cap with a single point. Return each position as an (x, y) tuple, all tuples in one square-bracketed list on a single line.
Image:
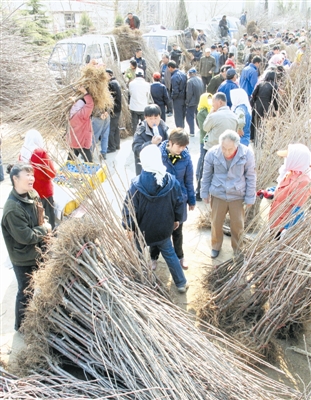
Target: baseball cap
[(156, 75), (192, 71), (109, 71), (139, 74), (230, 73)]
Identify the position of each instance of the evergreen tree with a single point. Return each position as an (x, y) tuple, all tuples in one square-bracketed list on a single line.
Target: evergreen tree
[(181, 21), (35, 24), (85, 23)]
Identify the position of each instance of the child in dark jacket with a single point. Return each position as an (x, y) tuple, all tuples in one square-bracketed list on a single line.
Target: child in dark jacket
[(177, 160), (156, 198)]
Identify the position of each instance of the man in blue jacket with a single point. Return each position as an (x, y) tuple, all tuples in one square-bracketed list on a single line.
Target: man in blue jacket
[(154, 206), (178, 93), (229, 84), (249, 76)]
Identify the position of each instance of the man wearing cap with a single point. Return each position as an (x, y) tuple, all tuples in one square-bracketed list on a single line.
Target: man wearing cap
[(229, 84), (217, 80), (249, 76), (178, 94), (114, 133), (207, 67), (159, 94), (139, 92), (216, 55), (247, 50), (195, 89), (132, 21)]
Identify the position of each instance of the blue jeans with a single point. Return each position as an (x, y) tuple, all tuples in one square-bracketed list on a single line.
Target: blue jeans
[(101, 128), (190, 114), (168, 253)]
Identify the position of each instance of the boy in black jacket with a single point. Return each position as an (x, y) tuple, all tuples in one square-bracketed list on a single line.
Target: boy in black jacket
[(158, 205)]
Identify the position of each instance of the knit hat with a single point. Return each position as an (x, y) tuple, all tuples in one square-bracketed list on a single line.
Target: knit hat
[(230, 73), (151, 161)]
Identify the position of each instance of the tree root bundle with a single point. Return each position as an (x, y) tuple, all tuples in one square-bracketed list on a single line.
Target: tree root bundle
[(98, 310)]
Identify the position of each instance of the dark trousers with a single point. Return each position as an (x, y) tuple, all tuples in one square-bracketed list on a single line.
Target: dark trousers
[(86, 154), (136, 116), (48, 205), (170, 104), (177, 242), (23, 277), (179, 112), (199, 171), (114, 134), (206, 80), (190, 115), (163, 114)]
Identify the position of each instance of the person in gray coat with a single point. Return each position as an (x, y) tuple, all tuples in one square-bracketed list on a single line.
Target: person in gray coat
[(207, 67), (229, 184), (194, 90)]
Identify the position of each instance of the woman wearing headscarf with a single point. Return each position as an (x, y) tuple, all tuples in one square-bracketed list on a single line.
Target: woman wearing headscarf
[(33, 153), (293, 188), (242, 108), (264, 100), (80, 127)]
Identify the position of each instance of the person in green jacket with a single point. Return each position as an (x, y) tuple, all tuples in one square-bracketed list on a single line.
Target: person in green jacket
[(204, 107), (23, 228), (217, 80)]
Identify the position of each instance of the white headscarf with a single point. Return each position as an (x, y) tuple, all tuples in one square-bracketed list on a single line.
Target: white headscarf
[(238, 97), (298, 159), (151, 161), (76, 107), (33, 141), (276, 59)]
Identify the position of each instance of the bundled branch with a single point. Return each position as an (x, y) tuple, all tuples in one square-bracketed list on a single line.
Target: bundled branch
[(267, 293), (97, 304)]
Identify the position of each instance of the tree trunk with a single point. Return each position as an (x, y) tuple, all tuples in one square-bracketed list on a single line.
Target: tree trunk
[(266, 5)]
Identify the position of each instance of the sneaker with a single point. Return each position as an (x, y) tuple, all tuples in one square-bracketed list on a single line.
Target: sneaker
[(169, 114), (183, 263), (191, 134), (183, 289), (154, 264)]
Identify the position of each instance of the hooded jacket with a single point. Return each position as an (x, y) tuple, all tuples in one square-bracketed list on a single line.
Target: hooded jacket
[(20, 228), (156, 207), (183, 171)]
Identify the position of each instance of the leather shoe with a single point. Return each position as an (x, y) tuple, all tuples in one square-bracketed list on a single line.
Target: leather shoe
[(111, 151), (214, 253), (197, 197)]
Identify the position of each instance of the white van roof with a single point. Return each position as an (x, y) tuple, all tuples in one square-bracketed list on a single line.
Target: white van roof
[(86, 39), (163, 32)]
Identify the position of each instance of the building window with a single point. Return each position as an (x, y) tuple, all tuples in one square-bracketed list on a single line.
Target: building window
[(69, 20)]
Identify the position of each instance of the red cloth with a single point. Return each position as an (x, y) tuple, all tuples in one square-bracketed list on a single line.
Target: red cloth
[(44, 172), (230, 62), (80, 132), (132, 23), (292, 192)]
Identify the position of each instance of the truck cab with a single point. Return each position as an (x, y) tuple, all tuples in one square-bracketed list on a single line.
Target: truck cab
[(69, 55), (163, 40)]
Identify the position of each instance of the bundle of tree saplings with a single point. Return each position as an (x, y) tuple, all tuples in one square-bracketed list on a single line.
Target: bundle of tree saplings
[(49, 113), (265, 294), (94, 307)]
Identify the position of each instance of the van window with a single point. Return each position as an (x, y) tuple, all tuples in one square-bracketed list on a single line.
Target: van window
[(65, 54), (157, 42), (115, 56), (93, 51), (107, 50)]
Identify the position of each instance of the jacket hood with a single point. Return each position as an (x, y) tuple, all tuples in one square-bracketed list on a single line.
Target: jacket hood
[(147, 185)]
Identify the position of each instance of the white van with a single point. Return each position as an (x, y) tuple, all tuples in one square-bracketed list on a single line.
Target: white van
[(163, 40), (70, 54)]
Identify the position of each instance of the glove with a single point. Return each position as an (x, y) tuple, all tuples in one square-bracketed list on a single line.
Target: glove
[(266, 193)]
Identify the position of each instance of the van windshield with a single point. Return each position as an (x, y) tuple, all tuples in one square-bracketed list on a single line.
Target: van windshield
[(67, 54), (157, 42)]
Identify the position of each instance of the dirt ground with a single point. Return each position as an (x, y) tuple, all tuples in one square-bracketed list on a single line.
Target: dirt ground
[(294, 368)]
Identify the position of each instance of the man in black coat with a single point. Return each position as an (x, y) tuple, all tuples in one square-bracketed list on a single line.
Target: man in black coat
[(114, 133), (175, 55), (141, 62), (178, 94), (195, 89), (159, 94)]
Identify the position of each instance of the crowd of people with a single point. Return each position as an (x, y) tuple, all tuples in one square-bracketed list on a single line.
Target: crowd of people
[(226, 109)]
